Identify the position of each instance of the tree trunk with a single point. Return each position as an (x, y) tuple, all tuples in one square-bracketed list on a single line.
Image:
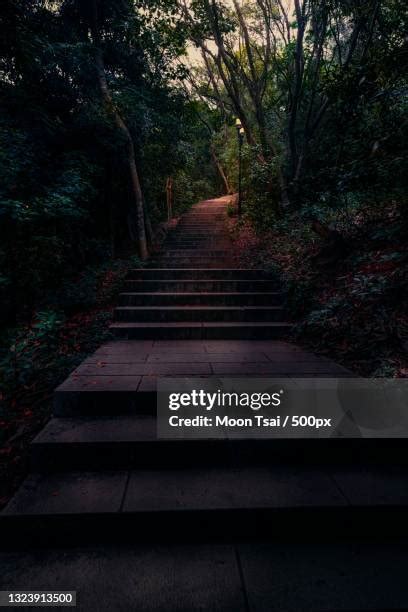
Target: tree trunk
[(220, 169), (148, 226), (138, 212)]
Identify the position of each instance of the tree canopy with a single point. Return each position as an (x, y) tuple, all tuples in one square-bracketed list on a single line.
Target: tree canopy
[(102, 101)]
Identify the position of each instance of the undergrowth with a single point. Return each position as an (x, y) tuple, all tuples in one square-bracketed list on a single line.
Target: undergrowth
[(352, 308), (38, 355)]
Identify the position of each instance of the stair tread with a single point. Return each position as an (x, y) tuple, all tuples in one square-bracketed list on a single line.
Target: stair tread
[(198, 280), (198, 307), (137, 428), (103, 442), (204, 293), (209, 489), (201, 269), (125, 324), (173, 490)]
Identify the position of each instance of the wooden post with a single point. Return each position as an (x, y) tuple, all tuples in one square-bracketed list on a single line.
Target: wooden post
[(169, 198)]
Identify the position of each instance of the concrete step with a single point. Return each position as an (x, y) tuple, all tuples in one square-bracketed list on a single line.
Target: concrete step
[(208, 229), (129, 441), (181, 504), (142, 578), (203, 237), (187, 248), (206, 235), (199, 262), (198, 243), (105, 396), (193, 273), (213, 215), (191, 236), (188, 230), (120, 377), (213, 228), (269, 298), (218, 214), (264, 575), (181, 285), (216, 226), (199, 313), (193, 253), (216, 222), (198, 330)]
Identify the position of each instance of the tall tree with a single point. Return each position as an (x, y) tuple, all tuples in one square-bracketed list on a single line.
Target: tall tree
[(279, 66), (136, 216)]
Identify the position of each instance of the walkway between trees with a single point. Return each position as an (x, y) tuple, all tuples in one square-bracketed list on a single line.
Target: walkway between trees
[(100, 475)]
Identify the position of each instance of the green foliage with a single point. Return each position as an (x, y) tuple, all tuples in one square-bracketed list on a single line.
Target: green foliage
[(65, 192), (74, 321), (31, 350), (351, 307), (231, 210)]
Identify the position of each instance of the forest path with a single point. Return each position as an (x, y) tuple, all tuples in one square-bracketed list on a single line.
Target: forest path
[(101, 475)]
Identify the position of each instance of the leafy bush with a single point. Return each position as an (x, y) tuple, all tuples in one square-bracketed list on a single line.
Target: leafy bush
[(352, 308)]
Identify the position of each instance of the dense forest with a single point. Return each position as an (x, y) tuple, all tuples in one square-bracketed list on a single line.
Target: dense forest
[(102, 102)]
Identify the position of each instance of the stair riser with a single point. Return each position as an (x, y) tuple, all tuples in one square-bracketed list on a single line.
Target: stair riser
[(198, 262), (199, 246), (199, 226), (188, 248), (216, 229), (202, 236), (198, 315), (222, 274), (207, 234), (193, 253), (195, 244), (192, 236), (214, 216), (197, 239), (170, 454), (304, 524), (216, 222), (184, 230), (179, 286), (187, 264), (188, 230), (103, 403), (197, 299), (201, 333), (216, 219)]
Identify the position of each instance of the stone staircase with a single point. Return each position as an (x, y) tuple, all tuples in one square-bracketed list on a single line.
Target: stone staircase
[(196, 291), (99, 474)]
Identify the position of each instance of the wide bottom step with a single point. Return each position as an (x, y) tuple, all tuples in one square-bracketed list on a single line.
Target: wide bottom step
[(261, 576), (190, 504)]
